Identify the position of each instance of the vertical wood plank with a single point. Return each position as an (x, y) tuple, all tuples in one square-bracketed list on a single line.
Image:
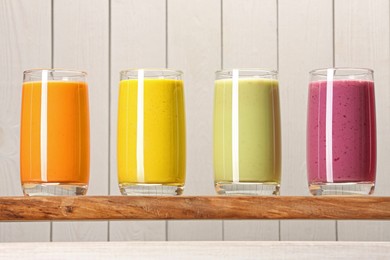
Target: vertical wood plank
[(25, 43), (138, 37), (250, 41), (194, 46), (305, 43), (81, 42), (250, 34), (362, 40), (251, 230)]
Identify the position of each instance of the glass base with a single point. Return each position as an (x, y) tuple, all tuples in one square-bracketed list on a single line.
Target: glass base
[(54, 189), (349, 188), (150, 189), (247, 188)]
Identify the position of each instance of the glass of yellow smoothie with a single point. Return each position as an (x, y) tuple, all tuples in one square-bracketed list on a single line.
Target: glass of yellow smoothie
[(151, 146), (247, 145)]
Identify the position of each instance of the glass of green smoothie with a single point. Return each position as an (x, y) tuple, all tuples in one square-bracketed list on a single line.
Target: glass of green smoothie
[(247, 145)]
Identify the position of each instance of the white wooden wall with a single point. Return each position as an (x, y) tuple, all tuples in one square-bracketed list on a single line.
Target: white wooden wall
[(199, 37)]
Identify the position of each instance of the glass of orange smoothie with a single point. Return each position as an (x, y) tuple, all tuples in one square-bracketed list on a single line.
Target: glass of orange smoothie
[(151, 148), (54, 136)]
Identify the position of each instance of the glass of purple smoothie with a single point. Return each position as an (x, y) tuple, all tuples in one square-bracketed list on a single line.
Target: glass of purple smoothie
[(341, 132)]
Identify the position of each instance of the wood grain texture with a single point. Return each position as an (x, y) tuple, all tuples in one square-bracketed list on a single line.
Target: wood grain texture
[(194, 46), (362, 40), (250, 41), (138, 37), (196, 250), (25, 43), (305, 43), (81, 42), (191, 207)]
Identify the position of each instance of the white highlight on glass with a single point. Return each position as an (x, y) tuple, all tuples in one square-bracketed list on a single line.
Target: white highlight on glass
[(44, 126), (329, 125), (140, 127), (235, 128)]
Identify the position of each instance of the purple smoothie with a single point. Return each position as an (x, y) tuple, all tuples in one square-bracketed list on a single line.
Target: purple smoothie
[(353, 132)]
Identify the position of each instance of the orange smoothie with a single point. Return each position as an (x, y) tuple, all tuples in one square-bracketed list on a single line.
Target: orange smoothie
[(67, 138), (163, 137)]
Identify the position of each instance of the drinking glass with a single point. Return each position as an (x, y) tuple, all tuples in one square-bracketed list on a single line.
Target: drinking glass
[(247, 152), (54, 136), (341, 132), (151, 132)]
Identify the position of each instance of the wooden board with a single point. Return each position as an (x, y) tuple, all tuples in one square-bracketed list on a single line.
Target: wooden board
[(191, 207)]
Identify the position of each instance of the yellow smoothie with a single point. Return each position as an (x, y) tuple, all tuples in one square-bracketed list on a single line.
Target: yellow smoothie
[(163, 144), (258, 137)]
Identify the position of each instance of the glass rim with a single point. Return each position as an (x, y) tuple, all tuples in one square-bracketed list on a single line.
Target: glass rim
[(77, 73), (323, 71), (174, 72), (265, 71)]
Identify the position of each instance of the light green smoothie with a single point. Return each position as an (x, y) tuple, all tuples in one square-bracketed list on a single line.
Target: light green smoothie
[(257, 134)]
